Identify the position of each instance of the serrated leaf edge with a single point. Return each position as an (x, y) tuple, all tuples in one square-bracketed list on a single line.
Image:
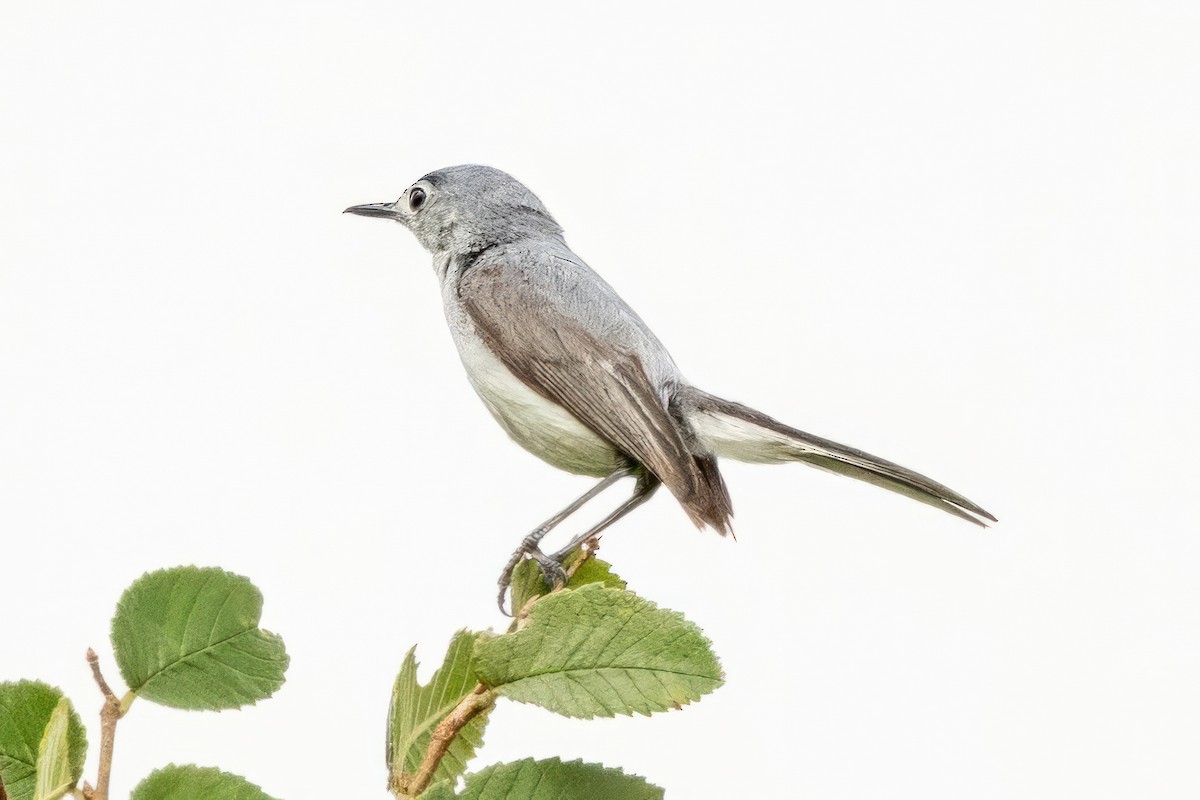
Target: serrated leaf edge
[(435, 712), (555, 761), (83, 740), (173, 767), (257, 627), (649, 605)]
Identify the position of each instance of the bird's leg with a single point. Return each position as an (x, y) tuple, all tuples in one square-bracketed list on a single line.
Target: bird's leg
[(644, 489), (552, 570)]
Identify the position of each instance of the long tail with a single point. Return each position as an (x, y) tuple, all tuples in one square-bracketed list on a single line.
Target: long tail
[(736, 431)]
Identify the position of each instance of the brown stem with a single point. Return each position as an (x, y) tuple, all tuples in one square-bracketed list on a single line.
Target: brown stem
[(471, 706), (110, 712), (406, 786)]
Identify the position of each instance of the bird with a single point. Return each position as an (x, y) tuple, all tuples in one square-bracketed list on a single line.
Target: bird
[(576, 377)]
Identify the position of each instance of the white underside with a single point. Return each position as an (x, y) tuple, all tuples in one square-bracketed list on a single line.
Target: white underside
[(553, 434), (543, 428)]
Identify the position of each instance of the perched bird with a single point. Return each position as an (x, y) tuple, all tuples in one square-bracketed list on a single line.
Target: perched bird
[(574, 376)]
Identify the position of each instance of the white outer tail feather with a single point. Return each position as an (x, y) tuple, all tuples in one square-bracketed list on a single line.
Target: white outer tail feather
[(731, 430)]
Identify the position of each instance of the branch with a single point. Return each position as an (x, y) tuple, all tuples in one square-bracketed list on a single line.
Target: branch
[(471, 706), (110, 712), (405, 786)]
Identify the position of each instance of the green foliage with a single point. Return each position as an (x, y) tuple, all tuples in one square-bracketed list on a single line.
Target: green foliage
[(595, 571), (527, 581), (185, 637), (548, 780), (54, 778), (188, 637), (196, 783), (416, 710), (590, 649), (596, 651), (28, 750)]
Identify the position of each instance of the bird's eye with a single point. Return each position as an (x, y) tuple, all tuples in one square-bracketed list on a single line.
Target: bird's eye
[(416, 198)]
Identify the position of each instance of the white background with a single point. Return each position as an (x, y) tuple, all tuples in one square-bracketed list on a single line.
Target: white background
[(962, 236)]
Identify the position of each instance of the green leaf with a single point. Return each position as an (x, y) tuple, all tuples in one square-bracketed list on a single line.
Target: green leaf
[(27, 708), (442, 790), (596, 651), (188, 637), (595, 571), (549, 780), (527, 581), (196, 783), (54, 776), (416, 710)]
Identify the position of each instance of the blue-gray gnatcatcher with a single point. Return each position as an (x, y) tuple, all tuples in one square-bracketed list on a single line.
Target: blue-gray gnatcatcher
[(574, 375)]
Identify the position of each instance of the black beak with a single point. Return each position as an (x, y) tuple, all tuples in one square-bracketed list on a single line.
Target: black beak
[(373, 210)]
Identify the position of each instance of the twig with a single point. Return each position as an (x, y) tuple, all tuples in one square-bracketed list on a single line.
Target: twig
[(406, 786), (587, 551), (471, 706), (110, 712)]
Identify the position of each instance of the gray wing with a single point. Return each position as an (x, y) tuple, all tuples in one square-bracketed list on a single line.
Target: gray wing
[(563, 331)]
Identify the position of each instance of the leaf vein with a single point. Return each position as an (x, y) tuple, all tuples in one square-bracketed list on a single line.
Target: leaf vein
[(186, 658)]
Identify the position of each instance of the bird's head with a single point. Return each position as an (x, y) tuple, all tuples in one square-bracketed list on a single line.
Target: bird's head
[(465, 209)]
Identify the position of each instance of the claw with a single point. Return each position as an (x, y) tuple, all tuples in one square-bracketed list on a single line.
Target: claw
[(552, 571), (500, 599), (551, 567), (506, 580)]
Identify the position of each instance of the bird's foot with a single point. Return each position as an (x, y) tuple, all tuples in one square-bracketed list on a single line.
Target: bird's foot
[(551, 566)]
